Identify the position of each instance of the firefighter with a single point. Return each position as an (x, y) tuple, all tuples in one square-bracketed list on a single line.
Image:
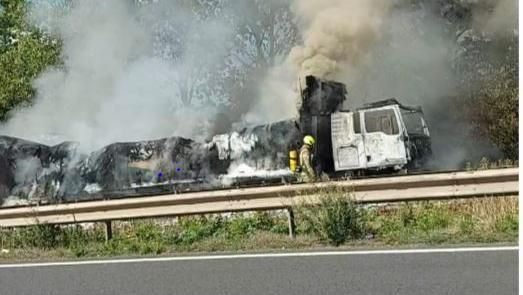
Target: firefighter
[(307, 171)]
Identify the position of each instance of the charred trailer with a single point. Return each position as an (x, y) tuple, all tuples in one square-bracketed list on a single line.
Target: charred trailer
[(380, 136)]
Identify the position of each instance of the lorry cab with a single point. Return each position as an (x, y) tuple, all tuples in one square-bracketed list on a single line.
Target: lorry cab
[(380, 135)]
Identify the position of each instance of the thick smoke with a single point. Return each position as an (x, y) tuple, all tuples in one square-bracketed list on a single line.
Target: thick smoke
[(122, 79), (401, 49), (337, 34)]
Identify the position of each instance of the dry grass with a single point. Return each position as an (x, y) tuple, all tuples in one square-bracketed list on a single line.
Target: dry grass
[(488, 211)]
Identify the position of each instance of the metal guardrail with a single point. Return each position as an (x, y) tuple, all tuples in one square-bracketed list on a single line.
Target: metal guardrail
[(386, 189)]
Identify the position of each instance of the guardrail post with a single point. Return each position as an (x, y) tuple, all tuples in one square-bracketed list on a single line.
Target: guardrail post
[(292, 225), (108, 230)]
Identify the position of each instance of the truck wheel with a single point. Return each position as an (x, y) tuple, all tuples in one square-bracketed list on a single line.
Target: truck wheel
[(348, 175)]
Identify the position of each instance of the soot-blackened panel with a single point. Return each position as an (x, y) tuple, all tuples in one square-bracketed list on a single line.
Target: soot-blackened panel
[(319, 100)]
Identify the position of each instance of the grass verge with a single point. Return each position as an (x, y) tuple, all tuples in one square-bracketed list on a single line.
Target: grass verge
[(336, 221)]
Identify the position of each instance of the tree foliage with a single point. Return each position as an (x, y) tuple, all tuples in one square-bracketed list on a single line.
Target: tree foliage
[(24, 53), (490, 84), (493, 109), (265, 33)]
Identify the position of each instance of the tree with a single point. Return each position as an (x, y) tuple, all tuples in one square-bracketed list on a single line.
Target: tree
[(220, 48), (24, 53), (493, 109), (265, 32), (11, 21), (191, 36), (486, 67), (489, 79)]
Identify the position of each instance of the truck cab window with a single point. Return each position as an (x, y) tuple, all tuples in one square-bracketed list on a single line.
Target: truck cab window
[(356, 122), (381, 121), (413, 122)]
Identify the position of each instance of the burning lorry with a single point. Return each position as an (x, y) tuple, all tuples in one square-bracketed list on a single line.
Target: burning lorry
[(382, 136)]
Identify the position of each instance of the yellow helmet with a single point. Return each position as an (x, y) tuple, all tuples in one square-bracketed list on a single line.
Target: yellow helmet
[(309, 140)]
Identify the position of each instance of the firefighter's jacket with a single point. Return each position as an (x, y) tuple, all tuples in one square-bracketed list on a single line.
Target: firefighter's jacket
[(307, 171)]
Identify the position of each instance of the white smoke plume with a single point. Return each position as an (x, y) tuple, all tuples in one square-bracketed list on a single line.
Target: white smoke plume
[(411, 61), (278, 97), (114, 84), (27, 170)]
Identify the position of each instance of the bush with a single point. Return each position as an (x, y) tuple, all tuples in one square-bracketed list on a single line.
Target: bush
[(148, 231), (507, 223), (280, 228), (336, 219), (241, 227), (40, 236), (263, 221), (194, 229), (494, 112)]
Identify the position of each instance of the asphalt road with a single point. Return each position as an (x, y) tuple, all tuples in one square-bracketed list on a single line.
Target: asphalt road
[(477, 272)]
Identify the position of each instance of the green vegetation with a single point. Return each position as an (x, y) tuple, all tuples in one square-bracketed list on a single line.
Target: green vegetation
[(494, 111), (490, 93), (336, 221), (24, 53)]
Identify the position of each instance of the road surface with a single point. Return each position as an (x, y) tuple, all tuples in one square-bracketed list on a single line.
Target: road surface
[(451, 271)]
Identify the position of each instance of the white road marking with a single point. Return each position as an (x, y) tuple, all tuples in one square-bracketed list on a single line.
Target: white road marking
[(262, 255)]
